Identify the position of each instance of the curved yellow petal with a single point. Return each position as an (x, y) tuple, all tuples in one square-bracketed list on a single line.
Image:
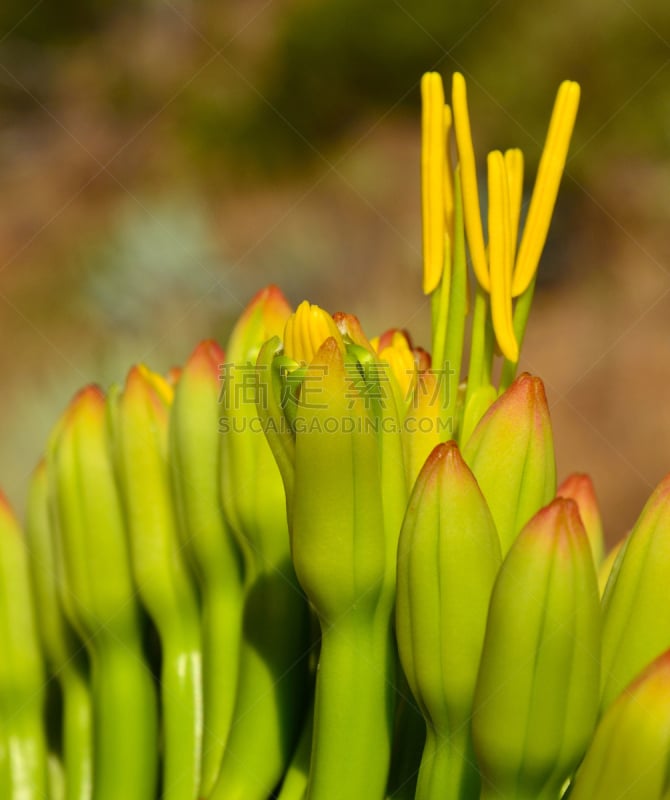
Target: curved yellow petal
[(500, 256), (546, 186), (432, 179), (466, 157)]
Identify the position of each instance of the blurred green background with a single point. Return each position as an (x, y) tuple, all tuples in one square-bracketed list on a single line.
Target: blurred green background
[(161, 160)]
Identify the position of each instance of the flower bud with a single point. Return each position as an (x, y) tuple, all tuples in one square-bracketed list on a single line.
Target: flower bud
[(634, 632), (628, 756), (580, 488), (214, 554), (536, 700), (448, 558), (23, 758), (306, 330), (511, 453), (263, 318)]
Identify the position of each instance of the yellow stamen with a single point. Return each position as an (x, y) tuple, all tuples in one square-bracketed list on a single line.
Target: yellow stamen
[(546, 186), (306, 330), (432, 179), (466, 157), (514, 170), (500, 256), (400, 358), (448, 175)]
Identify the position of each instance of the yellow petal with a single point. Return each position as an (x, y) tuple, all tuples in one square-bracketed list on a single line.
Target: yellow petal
[(466, 158), (500, 256), (432, 179), (306, 330), (546, 186)]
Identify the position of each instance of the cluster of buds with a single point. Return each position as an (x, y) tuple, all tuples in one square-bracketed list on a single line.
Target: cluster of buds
[(320, 566)]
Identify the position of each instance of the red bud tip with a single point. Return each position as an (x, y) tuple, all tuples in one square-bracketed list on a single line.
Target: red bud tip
[(560, 520), (4, 503), (661, 493), (206, 359), (579, 487), (386, 338), (270, 296), (444, 456), (89, 400), (7, 513), (349, 325), (422, 359)]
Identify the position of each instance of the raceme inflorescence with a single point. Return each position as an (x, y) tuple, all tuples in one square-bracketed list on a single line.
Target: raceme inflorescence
[(320, 565)]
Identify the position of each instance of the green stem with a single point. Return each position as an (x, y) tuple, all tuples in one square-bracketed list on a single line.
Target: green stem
[(353, 717), (448, 769), (77, 735), (451, 356), (521, 314), (269, 707), (481, 347), (125, 720), (181, 694), (408, 744), (294, 784), (222, 630), (27, 754)]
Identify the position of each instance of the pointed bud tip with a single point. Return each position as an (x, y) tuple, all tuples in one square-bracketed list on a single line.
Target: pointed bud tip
[(142, 382), (445, 458), (577, 486), (206, 359), (90, 401), (271, 299), (559, 519)]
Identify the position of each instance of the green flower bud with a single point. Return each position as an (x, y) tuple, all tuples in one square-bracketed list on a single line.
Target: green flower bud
[(163, 579), (213, 552), (448, 558), (271, 695), (341, 559), (628, 756), (102, 602), (511, 453), (536, 700), (580, 488), (62, 647), (23, 760), (634, 632)]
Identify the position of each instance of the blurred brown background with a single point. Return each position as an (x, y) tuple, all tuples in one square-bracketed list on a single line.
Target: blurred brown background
[(161, 160)]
